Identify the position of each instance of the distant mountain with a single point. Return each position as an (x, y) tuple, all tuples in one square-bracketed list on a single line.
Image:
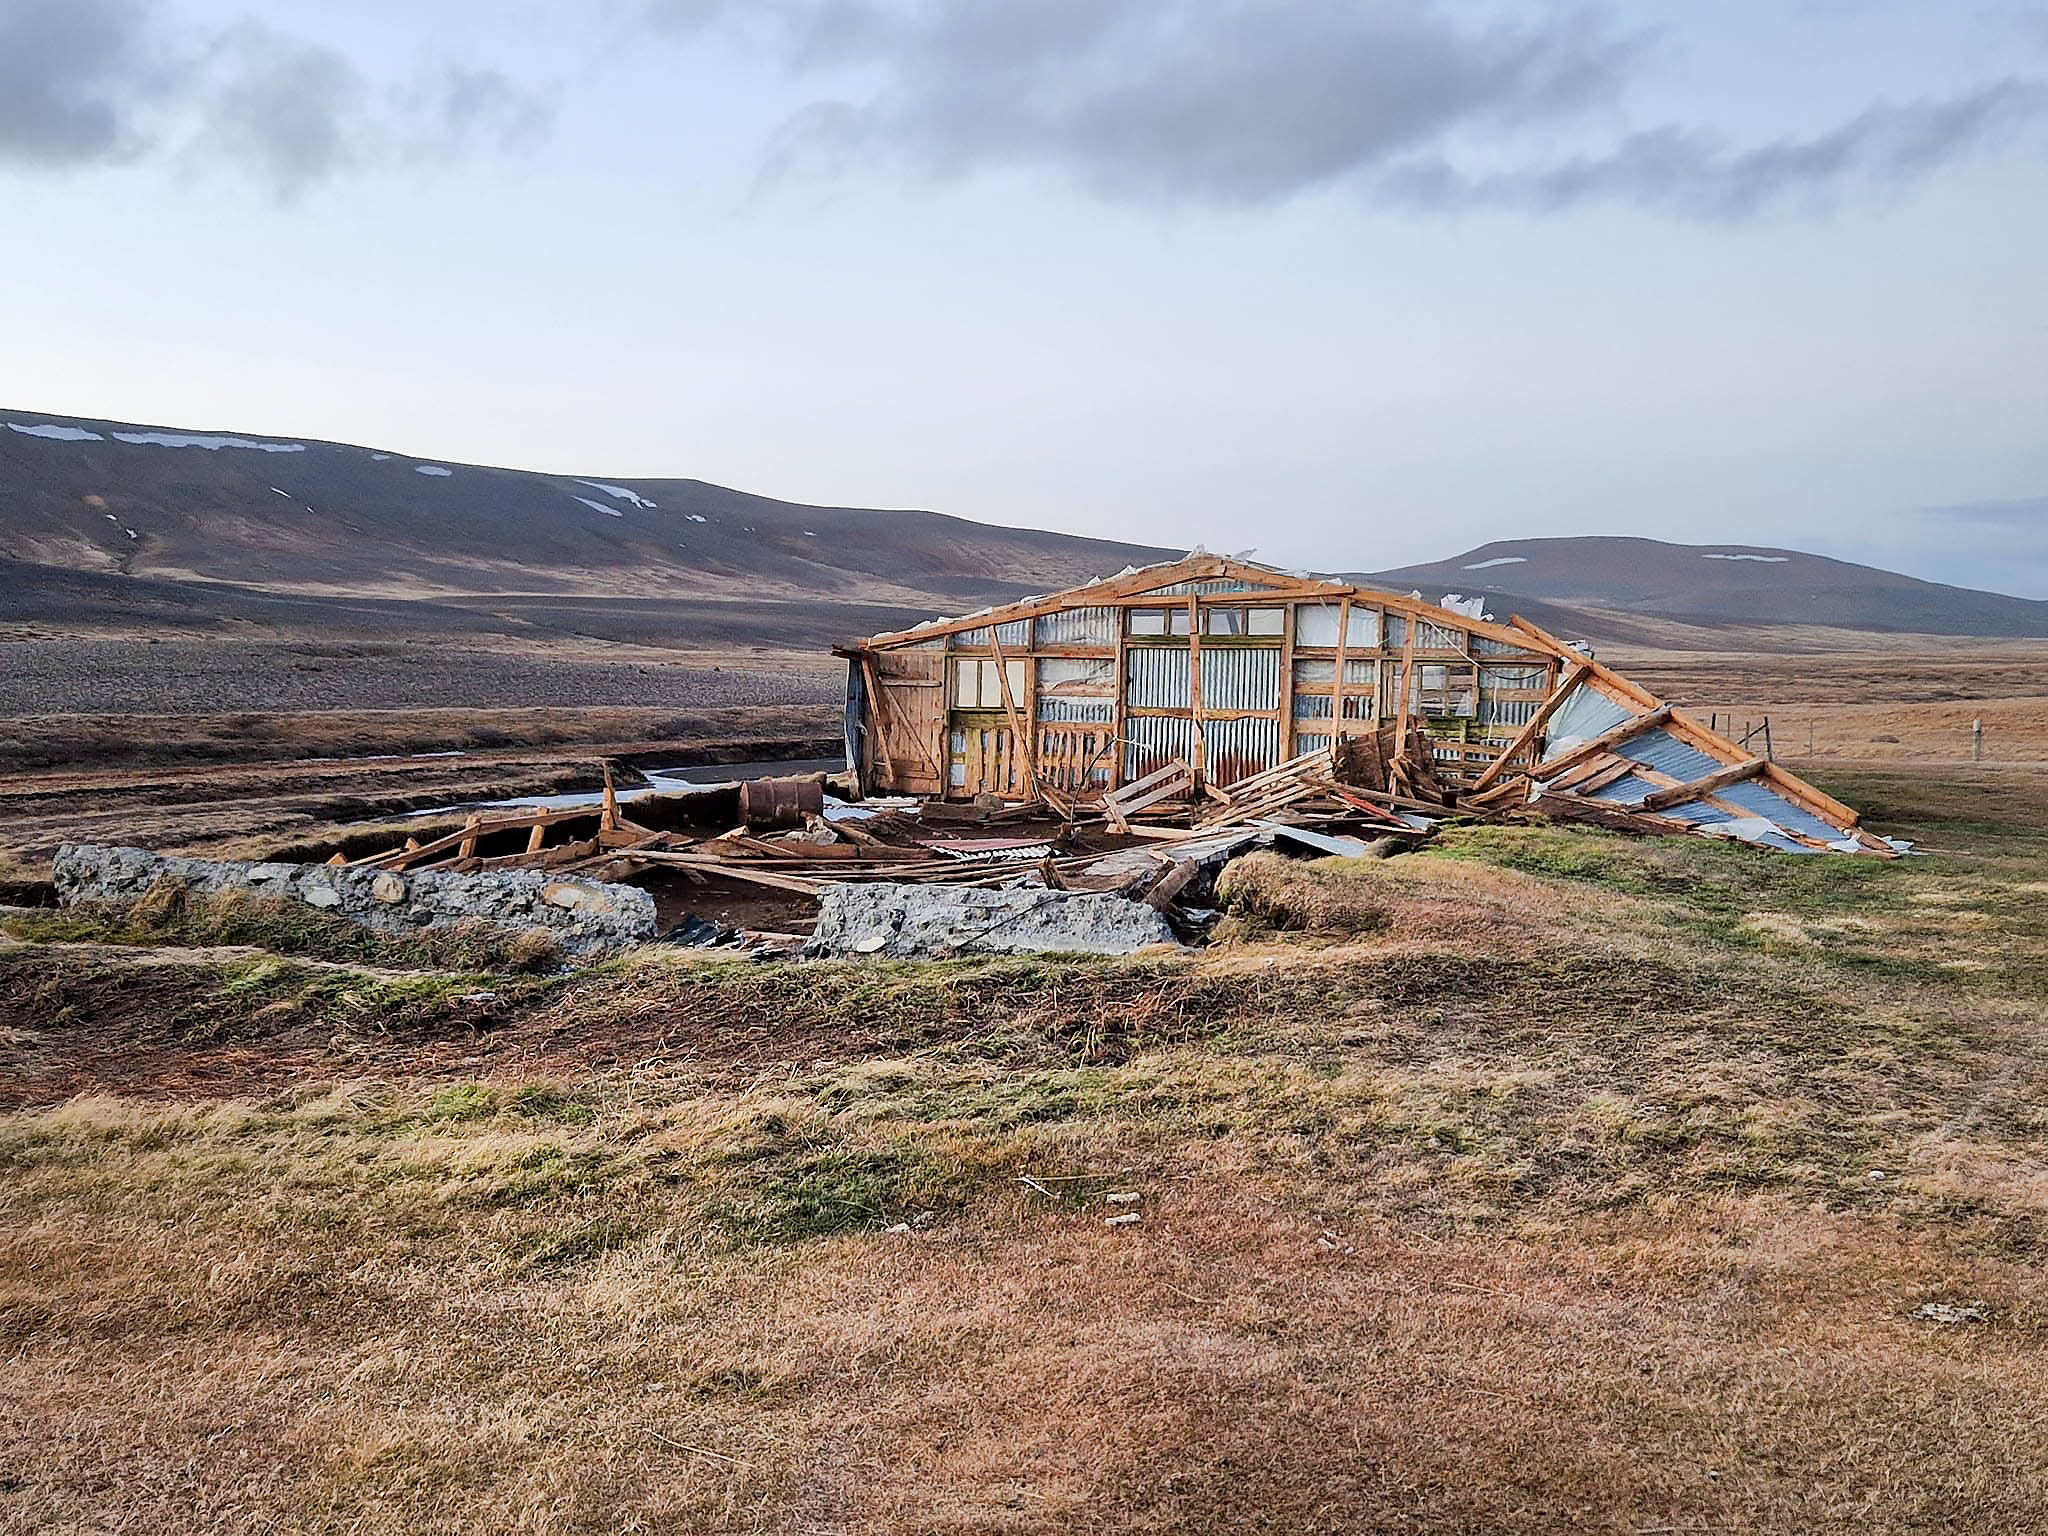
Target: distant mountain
[(108, 523), (294, 514), (1602, 584)]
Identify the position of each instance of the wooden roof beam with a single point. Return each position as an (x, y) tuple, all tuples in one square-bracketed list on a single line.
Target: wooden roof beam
[(1701, 787), (1606, 741)]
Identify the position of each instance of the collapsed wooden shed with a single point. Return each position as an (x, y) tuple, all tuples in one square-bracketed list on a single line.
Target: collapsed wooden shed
[(1222, 670)]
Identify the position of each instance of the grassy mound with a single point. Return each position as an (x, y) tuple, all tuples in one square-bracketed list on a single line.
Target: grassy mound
[(1329, 896)]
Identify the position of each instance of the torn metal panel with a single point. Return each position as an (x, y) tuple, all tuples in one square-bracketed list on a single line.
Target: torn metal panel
[(1077, 626), (1587, 713)]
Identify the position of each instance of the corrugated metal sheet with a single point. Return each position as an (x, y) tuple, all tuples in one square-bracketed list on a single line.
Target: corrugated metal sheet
[(1667, 754), (1307, 743), (1397, 630), (1208, 588), (1759, 799), (1237, 749), (1077, 626), (1312, 706), (1241, 677), (1434, 637), (1156, 677), (1626, 790), (1054, 710), (1512, 712), (1015, 636), (1483, 646), (1585, 714), (1315, 674), (1152, 741), (1513, 677), (1677, 759)]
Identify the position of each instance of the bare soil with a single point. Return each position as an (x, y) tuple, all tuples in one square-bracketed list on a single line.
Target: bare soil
[(1896, 704)]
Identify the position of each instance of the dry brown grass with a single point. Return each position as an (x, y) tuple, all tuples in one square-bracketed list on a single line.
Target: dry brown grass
[(1276, 892), (1548, 1204)]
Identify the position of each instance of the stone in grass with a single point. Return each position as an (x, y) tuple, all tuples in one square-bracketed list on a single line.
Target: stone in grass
[(1952, 1314), (923, 922)]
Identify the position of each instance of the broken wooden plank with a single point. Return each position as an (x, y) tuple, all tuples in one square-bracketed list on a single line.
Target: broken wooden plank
[(1606, 741), (1706, 784), (1526, 736)]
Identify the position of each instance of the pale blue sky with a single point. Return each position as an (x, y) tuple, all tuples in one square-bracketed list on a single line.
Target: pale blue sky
[(1353, 284)]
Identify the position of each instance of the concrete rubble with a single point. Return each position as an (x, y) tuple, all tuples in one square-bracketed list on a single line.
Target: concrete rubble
[(925, 921), (585, 918)]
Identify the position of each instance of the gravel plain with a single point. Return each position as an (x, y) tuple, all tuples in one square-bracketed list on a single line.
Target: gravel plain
[(207, 677)]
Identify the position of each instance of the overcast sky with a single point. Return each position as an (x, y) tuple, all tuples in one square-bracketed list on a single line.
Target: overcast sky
[(1350, 284)]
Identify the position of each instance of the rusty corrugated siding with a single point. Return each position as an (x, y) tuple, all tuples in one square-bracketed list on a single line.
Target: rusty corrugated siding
[(1237, 749), (1152, 741)]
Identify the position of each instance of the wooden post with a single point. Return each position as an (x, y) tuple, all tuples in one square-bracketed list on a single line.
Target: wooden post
[(1337, 684), (1195, 685), (1020, 738), (1401, 701), (1526, 737), (609, 821), (1116, 714), (1287, 685), (1977, 740)]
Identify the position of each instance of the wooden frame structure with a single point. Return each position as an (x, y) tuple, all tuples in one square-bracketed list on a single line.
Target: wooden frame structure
[(1224, 670)]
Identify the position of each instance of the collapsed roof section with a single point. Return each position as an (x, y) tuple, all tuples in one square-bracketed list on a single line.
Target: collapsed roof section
[(1206, 672)]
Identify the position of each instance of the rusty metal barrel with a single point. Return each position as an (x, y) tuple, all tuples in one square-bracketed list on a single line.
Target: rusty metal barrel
[(771, 805)]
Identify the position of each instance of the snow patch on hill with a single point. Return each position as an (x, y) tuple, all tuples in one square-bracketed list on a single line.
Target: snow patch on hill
[(55, 433), (598, 506), (432, 469), (1760, 559), (621, 493), (1487, 565), (210, 444)]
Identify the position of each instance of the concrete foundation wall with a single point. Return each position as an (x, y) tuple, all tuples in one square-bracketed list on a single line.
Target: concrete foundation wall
[(585, 918), (908, 921)]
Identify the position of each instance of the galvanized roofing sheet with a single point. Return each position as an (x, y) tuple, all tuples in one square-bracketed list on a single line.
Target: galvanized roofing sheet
[(1585, 713)]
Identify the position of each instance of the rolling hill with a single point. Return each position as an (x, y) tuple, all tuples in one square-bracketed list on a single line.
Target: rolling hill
[(110, 523), (1611, 580), (297, 515)]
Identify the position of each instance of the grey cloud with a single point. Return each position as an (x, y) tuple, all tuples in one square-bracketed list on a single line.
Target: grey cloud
[(1694, 175), (70, 73), (1406, 102), (1224, 101), (86, 83), (288, 113)]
